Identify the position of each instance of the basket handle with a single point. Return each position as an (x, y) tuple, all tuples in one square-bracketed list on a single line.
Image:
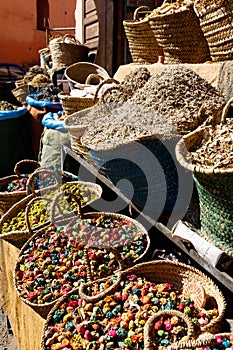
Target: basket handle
[(106, 81), (24, 162), (30, 186), (72, 37), (149, 343), (95, 298), (27, 211), (93, 76), (55, 204), (87, 260), (140, 9), (225, 110)]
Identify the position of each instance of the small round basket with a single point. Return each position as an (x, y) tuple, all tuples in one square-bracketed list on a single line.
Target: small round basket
[(7, 199), (78, 73)]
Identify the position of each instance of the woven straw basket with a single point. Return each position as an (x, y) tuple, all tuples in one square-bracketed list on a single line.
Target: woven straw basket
[(216, 23), (78, 74), (72, 104), (7, 199), (159, 272), (18, 237), (215, 189), (44, 307), (142, 42), (21, 93), (180, 36), (67, 50)]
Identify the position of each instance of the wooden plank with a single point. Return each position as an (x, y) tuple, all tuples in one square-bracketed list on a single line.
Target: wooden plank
[(89, 6), (91, 31)]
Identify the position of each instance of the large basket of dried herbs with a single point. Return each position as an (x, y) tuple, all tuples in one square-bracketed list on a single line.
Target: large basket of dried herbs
[(216, 23), (142, 42), (139, 145), (118, 312), (208, 154), (177, 30)]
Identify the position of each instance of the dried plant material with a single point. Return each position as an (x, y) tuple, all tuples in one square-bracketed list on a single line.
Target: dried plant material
[(118, 125), (202, 4), (127, 88), (216, 149), (167, 9), (177, 93)]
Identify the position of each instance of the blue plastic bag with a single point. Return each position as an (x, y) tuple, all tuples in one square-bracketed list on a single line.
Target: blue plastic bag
[(50, 122), (30, 100), (15, 113)]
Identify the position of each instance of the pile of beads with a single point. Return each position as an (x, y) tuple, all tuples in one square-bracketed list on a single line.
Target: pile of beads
[(53, 263), (117, 320), (221, 342), (39, 182)]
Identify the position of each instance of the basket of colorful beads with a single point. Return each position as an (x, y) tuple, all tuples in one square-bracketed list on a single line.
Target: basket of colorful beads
[(53, 262), (219, 341), (112, 312), (21, 220), (13, 187)]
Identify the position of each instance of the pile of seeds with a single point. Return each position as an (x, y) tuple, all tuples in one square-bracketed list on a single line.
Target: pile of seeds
[(127, 88), (118, 125), (216, 149), (6, 106), (177, 93)]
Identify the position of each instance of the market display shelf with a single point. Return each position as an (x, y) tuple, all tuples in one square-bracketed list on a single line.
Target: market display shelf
[(221, 271)]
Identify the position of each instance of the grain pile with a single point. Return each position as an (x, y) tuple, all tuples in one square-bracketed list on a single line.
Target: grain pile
[(177, 93)]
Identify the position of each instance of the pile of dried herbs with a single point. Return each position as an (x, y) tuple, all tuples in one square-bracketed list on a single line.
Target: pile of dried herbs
[(216, 149), (177, 93)]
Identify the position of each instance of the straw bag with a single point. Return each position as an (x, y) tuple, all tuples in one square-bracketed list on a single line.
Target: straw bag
[(115, 303), (143, 46), (7, 199), (67, 50), (66, 237), (216, 20), (180, 36), (215, 190), (84, 74)]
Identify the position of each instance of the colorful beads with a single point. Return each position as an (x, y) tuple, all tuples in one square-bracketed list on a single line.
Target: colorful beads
[(53, 263), (120, 317)]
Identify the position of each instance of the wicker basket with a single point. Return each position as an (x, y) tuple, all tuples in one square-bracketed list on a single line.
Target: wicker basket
[(216, 23), (72, 104), (78, 74), (143, 46), (159, 272), (62, 220), (21, 93), (7, 199), (66, 51), (215, 189), (180, 36), (19, 237)]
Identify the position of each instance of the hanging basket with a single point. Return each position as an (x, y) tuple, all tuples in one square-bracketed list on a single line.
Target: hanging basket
[(143, 45), (216, 20), (215, 189), (67, 50), (7, 199), (180, 36), (174, 274)]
